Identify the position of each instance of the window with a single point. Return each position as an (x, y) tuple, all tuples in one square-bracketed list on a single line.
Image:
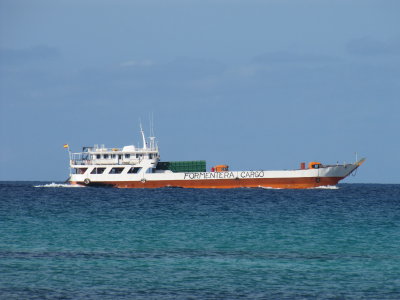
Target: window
[(150, 156), (112, 155), (98, 156), (134, 170), (98, 171), (79, 170), (106, 156), (127, 155), (116, 170)]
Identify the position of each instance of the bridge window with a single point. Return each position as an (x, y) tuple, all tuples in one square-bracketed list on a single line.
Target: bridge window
[(80, 170), (98, 156), (98, 171), (105, 156), (134, 170), (116, 170), (127, 155), (112, 155)]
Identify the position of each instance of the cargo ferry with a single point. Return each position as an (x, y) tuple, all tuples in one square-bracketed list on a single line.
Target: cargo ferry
[(135, 167)]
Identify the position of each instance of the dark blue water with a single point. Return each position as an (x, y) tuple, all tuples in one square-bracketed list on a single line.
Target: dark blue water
[(102, 243)]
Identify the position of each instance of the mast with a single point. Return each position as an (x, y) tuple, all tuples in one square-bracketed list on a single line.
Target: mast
[(152, 143), (152, 137), (143, 137)]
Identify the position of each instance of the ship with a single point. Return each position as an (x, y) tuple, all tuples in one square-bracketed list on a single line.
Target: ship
[(140, 167)]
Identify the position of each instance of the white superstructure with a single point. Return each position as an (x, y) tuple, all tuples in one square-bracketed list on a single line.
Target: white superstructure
[(99, 163)]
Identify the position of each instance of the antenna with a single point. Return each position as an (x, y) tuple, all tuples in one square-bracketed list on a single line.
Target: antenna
[(143, 137), (152, 137)]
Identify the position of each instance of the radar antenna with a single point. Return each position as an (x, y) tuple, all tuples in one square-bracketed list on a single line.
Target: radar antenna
[(143, 137)]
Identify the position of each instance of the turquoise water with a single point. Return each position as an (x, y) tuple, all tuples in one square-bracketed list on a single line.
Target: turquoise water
[(102, 243)]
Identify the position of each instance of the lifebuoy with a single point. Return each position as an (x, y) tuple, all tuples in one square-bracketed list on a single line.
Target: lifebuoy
[(86, 181), (143, 180), (317, 179)]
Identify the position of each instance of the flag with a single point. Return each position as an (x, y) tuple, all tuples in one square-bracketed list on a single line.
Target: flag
[(66, 146)]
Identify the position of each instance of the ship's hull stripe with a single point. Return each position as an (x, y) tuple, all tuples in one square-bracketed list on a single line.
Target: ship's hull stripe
[(284, 183)]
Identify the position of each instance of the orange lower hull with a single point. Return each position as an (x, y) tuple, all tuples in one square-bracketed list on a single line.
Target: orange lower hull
[(279, 183)]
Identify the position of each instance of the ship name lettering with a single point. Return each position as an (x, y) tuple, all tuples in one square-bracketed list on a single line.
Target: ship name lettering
[(208, 175), (189, 175), (251, 174)]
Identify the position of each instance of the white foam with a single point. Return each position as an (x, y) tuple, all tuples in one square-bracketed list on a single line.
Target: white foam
[(269, 188), (59, 185), (323, 187), (327, 187)]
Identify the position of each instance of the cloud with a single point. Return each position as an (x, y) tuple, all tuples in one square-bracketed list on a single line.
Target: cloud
[(138, 63), (18, 56), (143, 79), (370, 47), (292, 57), (194, 68)]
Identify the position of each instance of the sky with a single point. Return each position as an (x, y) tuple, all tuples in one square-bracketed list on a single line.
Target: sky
[(255, 84)]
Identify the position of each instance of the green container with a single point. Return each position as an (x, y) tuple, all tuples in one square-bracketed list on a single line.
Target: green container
[(182, 166)]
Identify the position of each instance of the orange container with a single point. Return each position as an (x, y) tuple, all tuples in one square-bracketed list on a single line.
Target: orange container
[(314, 165), (221, 168)]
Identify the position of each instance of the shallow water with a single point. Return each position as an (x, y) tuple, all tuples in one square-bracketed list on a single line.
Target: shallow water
[(103, 243)]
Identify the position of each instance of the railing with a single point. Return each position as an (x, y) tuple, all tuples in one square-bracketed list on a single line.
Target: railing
[(114, 157), (86, 162), (80, 162)]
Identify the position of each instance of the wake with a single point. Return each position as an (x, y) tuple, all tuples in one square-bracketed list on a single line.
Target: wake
[(58, 185), (269, 188), (323, 187), (327, 187)]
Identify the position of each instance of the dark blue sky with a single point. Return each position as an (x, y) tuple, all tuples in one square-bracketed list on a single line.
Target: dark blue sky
[(254, 84)]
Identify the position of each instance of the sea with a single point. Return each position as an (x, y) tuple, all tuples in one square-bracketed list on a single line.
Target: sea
[(63, 242)]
